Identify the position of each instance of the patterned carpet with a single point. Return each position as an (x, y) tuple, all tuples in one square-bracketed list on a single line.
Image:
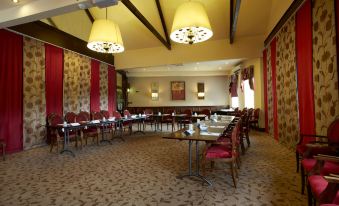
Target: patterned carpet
[(142, 171)]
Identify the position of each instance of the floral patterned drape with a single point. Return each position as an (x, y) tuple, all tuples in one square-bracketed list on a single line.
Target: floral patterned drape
[(34, 100)]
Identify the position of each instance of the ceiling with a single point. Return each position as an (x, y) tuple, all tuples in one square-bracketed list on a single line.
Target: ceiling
[(253, 20), (208, 68)]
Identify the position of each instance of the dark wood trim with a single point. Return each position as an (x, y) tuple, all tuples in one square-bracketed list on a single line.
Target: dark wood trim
[(143, 20), (296, 4), (234, 13), (50, 20), (46, 33), (89, 15), (163, 21)]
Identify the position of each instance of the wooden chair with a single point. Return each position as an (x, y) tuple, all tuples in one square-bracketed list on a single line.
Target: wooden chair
[(206, 112), (332, 139), (323, 184), (71, 117), (168, 120), (89, 131), (254, 121), (3, 148), (223, 153), (185, 120), (124, 125), (149, 118)]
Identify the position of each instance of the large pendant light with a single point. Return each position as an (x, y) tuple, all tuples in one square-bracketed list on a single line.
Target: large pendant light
[(105, 37), (191, 24)]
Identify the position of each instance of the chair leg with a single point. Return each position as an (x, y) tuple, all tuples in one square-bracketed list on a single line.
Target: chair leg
[(309, 195), (297, 160), (242, 145), (248, 140), (233, 175), (302, 176)]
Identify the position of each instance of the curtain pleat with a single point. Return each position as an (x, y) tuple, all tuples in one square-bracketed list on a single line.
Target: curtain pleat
[(103, 86), (112, 88), (265, 88), (304, 69), (95, 86), (273, 46), (11, 82)]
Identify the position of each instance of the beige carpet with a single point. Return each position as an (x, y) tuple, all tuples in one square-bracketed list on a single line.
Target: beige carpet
[(142, 171)]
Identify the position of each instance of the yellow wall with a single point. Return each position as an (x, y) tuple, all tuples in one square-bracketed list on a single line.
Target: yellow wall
[(258, 87), (278, 9), (216, 91)]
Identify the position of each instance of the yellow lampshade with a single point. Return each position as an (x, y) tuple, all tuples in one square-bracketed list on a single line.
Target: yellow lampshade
[(191, 24), (105, 37)]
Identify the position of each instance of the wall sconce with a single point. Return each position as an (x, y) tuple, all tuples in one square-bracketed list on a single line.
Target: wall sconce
[(155, 91), (201, 91)]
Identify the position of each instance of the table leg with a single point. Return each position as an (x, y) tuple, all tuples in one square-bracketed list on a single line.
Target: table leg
[(104, 127), (140, 125), (66, 142)]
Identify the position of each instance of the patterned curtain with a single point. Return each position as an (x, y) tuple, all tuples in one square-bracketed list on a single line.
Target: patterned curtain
[(34, 100), (269, 93), (103, 86), (77, 78), (325, 72), (287, 85), (85, 83)]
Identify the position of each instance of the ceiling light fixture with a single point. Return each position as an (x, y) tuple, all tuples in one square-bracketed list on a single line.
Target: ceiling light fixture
[(105, 37), (191, 24), (15, 1)]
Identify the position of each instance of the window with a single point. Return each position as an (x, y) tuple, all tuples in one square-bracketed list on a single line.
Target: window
[(235, 102), (248, 95)]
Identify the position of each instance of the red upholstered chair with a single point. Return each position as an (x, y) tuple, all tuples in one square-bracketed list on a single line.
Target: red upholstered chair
[(89, 131), (168, 120), (185, 120), (71, 117), (149, 118), (223, 153), (57, 134), (323, 182), (254, 120), (326, 143), (206, 112), (246, 127), (125, 125)]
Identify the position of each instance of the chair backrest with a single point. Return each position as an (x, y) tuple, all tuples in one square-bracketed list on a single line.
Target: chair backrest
[(54, 119), (116, 114), (85, 115), (206, 112), (70, 117), (105, 113), (188, 112), (97, 116), (81, 117), (148, 111), (333, 132), (126, 112), (256, 113)]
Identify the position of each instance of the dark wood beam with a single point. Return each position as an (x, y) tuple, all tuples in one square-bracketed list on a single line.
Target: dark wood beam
[(296, 4), (234, 13), (46, 33), (50, 20), (89, 15), (143, 20), (163, 21)]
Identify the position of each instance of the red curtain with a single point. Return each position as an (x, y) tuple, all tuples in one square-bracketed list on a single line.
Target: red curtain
[(54, 79), (336, 7), (112, 88), (95, 86), (265, 88), (11, 82), (305, 69), (274, 87)]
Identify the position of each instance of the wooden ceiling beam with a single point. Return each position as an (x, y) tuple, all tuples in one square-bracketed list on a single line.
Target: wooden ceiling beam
[(234, 13), (143, 20), (163, 21), (89, 15)]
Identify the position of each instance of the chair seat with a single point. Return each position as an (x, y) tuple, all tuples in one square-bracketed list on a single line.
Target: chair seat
[(318, 185), (329, 167), (218, 151)]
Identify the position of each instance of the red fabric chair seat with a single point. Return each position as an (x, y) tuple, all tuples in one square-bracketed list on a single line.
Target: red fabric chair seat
[(318, 185), (329, 167), (218, 151)]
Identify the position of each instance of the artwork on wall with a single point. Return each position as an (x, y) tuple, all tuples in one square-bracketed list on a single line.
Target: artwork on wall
[(178, 90)]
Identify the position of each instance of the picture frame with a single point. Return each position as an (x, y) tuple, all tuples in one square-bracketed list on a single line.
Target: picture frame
[(178, 90)]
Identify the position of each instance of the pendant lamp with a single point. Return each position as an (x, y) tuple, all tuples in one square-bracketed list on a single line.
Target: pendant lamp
[(105, 37), (191, 24)]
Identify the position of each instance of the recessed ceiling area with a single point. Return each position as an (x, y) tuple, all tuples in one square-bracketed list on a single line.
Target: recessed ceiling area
[(6, 4), (207, 68)]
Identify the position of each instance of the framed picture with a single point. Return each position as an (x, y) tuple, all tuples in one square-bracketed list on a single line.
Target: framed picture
[(178, 90)]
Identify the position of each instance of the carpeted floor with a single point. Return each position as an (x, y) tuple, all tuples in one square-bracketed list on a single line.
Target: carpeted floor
[(142, 171)]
